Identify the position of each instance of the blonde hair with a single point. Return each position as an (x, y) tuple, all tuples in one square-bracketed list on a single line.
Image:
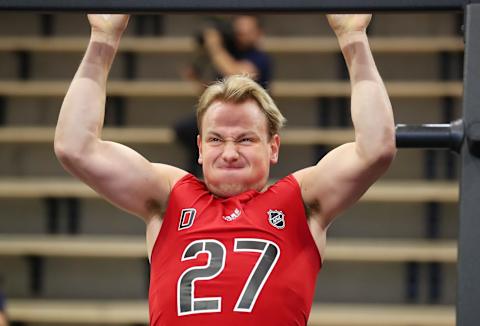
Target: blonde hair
[(238, 89)]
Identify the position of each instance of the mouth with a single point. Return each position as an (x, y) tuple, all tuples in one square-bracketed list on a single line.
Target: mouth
[(230, 168)]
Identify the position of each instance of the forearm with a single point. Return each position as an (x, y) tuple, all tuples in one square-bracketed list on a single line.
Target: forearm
[(371, 109), (227, 65), (81, 116), (223, 61)]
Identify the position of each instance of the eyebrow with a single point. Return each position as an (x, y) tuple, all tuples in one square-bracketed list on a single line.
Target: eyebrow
[(244, 134), (247, 134), (213, 133)]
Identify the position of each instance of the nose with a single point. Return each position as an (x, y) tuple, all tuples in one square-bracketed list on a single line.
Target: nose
[(230, 153)]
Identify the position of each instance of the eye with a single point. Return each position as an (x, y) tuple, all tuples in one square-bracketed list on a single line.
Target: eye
[(214, 140), (246, 140)]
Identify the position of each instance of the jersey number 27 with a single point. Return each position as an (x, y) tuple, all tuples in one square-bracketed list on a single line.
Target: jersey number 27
[(188, 304)]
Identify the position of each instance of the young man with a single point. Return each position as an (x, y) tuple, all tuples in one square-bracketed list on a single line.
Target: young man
[(230, 250)]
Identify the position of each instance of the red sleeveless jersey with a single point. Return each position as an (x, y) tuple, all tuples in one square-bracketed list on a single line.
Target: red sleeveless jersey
[(246, 260)]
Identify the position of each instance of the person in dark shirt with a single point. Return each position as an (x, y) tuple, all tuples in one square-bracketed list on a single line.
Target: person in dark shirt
[(246, 58)]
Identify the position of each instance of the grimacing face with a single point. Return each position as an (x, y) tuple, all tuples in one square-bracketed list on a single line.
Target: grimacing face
[(235, 149)]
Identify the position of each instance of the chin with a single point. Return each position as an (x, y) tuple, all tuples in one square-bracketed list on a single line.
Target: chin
[(229, 189), (239, 175), (228, 185)]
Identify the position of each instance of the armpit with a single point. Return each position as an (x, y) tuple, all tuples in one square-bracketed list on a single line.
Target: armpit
[(312, 209), (154, 207)]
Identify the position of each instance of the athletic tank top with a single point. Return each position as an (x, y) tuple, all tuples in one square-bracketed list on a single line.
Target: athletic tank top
[(245, 260)]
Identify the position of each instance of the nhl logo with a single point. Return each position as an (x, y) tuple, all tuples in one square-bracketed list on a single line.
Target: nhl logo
[(276, 219)]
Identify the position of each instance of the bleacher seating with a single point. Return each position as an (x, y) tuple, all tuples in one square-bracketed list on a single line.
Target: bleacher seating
[(280, 89), (136, 312), (355, 257), (383, 191), (271, 44), (134, 247)]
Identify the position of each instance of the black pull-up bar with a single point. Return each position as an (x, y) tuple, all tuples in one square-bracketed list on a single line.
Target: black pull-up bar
[(440, 136), (233, 5)]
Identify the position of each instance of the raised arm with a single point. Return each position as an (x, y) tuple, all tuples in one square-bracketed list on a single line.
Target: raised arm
[(223, 61), (346, 172), (117, 172)]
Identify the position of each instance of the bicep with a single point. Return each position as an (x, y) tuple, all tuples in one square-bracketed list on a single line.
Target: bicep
[(337, 181), (126, 178)]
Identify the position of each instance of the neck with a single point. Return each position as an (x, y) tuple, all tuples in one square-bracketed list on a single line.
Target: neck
[(225, 190)]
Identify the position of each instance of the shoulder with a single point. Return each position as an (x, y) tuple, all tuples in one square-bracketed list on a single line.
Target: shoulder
[(185, 184), (286, 187), (300, 175), (304, 180), (169, 173)]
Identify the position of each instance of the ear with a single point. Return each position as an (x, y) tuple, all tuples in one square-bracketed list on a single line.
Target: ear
[(274, 149), (199, 144)]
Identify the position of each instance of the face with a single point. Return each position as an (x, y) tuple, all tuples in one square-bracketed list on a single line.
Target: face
[(247, 32), (234, 148)]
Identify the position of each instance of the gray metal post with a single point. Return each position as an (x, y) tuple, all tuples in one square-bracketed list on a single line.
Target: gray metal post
[(468, 294)]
